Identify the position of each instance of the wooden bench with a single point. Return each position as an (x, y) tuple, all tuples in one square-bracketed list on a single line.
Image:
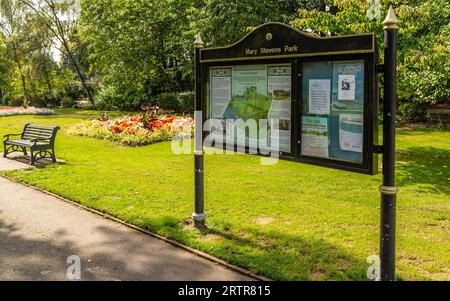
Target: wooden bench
[(39, 139)]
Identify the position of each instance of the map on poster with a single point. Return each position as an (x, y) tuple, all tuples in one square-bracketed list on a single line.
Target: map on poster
[(253, 93)]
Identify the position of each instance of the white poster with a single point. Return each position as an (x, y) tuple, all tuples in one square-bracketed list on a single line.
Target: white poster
[(315, 137), (279, 86), (346, 87), (221, 95), (319, 96), (351, 132)]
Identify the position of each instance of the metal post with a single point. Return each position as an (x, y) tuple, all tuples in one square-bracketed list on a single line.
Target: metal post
[(389, 190), (199, 216)]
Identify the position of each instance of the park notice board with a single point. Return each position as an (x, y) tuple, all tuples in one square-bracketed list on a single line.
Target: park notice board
[(319, 95)]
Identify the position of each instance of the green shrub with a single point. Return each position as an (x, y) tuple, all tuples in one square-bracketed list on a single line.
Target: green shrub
[(168, 101), (6, 99), (74, 89), (106, 98), (439, 120), (187, 101), (67, 102), (16, 101)]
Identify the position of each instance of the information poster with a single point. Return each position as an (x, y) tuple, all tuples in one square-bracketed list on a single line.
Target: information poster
[(333, 99), (315, 137), (351, 132), (279, 87), (221, 91), (346, 87), (253, 93), (319, 96)]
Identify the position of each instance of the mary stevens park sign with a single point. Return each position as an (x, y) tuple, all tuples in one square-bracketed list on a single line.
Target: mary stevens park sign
[(283, 94)]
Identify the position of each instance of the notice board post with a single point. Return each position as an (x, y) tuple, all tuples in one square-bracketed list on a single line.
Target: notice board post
[(199, 215), (389, 190)]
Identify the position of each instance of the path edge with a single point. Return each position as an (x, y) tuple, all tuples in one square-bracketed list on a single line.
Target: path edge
[(177, 244)]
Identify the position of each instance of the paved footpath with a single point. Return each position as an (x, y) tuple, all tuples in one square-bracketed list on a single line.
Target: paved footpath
[(38, 232)]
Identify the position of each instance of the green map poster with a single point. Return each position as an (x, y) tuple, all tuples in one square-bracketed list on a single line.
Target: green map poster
[(249, 97), (252, 93)]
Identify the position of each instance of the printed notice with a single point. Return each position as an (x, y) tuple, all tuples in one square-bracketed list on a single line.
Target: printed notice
[(319, 96), (220, 91), (279, 87), (315, 137), (347, 87), (351, 132)]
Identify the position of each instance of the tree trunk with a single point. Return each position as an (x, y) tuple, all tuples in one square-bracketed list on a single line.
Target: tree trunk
[(74, 62), (22, 77)]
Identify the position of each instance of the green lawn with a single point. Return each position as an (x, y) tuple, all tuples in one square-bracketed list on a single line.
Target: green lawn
[(289, 221)]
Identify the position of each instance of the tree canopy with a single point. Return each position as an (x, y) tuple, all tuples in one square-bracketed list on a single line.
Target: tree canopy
[(121, 54)]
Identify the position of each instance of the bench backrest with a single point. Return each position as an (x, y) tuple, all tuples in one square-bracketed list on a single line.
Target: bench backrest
[(39, 132)]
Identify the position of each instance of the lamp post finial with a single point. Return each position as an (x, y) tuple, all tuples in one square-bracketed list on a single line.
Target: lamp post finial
[(391, 21), (198, 41)]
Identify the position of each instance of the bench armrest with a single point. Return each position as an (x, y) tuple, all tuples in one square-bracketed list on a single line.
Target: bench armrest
[(9, 135)]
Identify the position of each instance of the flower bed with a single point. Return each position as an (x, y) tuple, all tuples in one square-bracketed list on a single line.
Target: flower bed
[(134, 130), (12, 111)]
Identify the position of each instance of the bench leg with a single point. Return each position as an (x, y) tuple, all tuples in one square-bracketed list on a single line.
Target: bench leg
[(24, 149), (5, 152), (53, 156), (32, 157)]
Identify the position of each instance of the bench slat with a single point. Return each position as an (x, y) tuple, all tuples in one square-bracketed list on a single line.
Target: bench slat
[(38, 132), (40, 127)]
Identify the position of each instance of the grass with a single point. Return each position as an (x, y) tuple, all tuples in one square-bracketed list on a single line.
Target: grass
[(289, 221)]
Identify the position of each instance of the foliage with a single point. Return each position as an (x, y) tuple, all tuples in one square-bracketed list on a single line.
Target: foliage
[(137, 48), (225, 22), (134, 130), (187, 101), (67, 102), (168, 101), (122, 54), (424, 45), (59, 19)]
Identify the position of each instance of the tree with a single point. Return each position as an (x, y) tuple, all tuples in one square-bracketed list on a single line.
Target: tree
[(423, 45), (4, 66), (60, 17), (137, 48), (224, 22), (12, 19)]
